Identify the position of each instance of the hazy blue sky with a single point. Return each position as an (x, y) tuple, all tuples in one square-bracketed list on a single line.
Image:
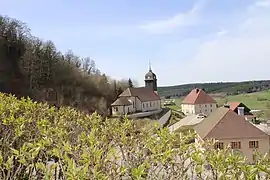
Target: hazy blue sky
[(186, 40)]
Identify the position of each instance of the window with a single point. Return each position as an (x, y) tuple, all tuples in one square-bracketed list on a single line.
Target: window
[(143, 105), (219, 145), (253, 144), (150, 104), (210, 105), (205, 105), (200, 111), (236, 145), (216, 105), (146, 105), (133, 104), (116, 109)]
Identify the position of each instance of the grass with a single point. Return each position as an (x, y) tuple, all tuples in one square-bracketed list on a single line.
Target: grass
[(176, 116), (257, 100)]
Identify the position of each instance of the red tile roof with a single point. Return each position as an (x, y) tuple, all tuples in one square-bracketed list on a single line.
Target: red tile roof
[(233, 105), (198, 96), (143, 93)]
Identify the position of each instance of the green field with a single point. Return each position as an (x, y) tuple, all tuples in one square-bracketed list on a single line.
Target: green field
[(257, 100)]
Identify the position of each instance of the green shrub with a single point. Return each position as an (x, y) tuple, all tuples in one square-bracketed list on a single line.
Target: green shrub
[(87, 147)]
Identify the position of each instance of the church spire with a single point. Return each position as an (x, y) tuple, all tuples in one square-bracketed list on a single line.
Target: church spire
[(150, 65)]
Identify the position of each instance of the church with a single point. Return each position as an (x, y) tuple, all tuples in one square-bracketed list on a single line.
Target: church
[(140, 99)]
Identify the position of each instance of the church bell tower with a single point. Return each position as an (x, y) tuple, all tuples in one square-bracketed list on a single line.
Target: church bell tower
[(151, 79)]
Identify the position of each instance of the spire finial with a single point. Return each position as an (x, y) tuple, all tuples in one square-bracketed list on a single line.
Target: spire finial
[(150, 65)]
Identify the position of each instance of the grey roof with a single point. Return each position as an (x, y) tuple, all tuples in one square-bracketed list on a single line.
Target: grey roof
[(188, 121), (150, 75), (264, 127)]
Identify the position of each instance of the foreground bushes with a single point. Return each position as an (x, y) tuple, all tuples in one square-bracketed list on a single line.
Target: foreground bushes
[(33, 135)]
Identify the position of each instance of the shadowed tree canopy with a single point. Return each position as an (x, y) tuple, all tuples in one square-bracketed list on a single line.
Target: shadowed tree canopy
[(130, 83), (35, 68)]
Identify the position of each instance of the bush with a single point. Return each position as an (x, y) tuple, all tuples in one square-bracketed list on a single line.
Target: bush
[(41, 142), (261, 99)]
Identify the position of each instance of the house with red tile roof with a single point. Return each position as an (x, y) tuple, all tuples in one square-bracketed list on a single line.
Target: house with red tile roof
[(241, 109), (198, 102), (141, 99), (231, 129)]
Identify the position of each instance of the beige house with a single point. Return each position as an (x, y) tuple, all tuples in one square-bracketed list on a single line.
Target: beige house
[(198, 102), (133, 100), (231, 129)]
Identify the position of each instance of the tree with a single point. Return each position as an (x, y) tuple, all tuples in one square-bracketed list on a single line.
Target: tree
[(33, 67), (130, 84)]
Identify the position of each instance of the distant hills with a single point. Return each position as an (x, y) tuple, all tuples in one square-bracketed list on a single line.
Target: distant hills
[(222, 88)]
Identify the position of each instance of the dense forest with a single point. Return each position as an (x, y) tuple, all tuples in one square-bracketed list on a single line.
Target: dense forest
[(227, 88), (32, 67)]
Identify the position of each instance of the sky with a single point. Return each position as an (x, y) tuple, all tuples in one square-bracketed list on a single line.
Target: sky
[(187, 41)]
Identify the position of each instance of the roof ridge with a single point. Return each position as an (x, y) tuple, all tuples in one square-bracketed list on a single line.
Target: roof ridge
[(217, 122)]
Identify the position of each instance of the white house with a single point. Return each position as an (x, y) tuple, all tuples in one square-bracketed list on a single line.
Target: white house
[(134, 100), (198, 102)]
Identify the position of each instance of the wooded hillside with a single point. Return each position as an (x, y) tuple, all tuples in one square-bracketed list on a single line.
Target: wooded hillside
[(227, 88), (32, 67)]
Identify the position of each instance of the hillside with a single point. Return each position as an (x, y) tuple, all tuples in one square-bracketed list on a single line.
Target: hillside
[(32, 67), (223, 88)]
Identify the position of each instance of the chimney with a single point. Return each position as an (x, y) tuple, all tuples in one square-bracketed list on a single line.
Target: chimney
[(197, 90), (241, 111)]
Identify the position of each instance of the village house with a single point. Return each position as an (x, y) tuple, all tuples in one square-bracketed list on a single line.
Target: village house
[(198, 102), (241, 109), (141, 99), (230, 129)]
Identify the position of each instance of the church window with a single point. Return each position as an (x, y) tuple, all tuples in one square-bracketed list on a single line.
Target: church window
[(116, 109)]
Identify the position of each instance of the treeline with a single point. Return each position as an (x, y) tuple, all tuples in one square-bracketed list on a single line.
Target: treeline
[(32, 67), (228, 88)]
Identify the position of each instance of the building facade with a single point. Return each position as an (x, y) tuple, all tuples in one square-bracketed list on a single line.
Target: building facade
[(198, 102), (231, 129)]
